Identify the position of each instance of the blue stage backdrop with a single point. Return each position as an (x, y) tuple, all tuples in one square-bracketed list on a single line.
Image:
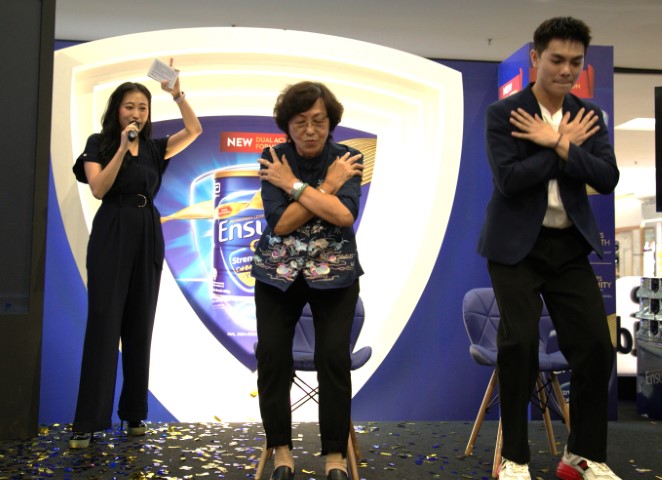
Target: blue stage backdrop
[(427, 375), (424, 375)]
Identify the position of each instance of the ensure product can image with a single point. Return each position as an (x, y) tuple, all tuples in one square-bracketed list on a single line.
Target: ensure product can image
[(238, 225), (212, 218)]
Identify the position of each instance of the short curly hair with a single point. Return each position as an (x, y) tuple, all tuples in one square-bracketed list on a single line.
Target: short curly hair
[(299, 98)]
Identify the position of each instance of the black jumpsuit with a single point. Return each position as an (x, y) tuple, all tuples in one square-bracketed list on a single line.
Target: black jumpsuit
[(124, 262)]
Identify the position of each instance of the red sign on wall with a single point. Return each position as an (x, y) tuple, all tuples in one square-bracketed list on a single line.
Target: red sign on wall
[(249, 141), (512, 86)]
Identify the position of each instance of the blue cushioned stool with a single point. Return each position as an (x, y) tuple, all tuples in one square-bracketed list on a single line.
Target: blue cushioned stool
[(481, 320)]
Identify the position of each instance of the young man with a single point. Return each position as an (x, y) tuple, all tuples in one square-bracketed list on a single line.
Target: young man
[(544, 146)]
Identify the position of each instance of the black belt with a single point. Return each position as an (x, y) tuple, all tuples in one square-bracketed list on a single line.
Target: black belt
[(138, 200)]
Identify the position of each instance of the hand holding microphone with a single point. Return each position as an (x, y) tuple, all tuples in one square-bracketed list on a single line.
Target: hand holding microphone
[(133, 134)]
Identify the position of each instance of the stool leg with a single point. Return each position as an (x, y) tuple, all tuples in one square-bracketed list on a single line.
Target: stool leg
[(542, 398), (351, 458), (496, 463), (352, 436), (560, 399), (481, 413), (264, 458)]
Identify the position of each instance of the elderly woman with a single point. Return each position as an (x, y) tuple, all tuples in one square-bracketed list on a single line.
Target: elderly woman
[(307, 255)]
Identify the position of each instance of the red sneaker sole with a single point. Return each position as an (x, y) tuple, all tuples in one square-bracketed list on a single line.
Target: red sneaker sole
[(566, 472)]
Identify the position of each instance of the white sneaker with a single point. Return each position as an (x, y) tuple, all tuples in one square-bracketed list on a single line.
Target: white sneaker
[(574, 467), (510, 470)]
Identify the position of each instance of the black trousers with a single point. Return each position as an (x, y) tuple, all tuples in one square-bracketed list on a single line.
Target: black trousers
[(333, 314), (558, 269), (124, 274)]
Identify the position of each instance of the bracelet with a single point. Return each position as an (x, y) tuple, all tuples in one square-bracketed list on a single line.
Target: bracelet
[(558, 141), (180, 98)]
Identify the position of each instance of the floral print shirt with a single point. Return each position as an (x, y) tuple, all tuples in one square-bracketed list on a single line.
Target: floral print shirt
[(325, 254)]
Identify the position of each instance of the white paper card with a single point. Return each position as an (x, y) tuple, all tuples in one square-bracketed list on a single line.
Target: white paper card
[(161, 71)]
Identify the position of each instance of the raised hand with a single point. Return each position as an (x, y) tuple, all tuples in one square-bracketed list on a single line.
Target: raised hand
[(175, 91)]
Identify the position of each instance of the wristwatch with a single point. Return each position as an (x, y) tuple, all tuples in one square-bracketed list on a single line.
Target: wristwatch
[(297, 189)]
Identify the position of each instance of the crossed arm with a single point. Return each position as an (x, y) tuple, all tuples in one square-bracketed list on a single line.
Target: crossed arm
[(313, 202)]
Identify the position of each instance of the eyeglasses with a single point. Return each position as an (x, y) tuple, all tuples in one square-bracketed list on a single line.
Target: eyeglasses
[(316, 123)]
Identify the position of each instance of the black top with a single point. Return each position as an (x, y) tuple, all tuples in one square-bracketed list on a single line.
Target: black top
[(521, 170), (138, 174)]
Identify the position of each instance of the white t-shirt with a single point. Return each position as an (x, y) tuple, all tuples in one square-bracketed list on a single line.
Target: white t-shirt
[(556, 216)]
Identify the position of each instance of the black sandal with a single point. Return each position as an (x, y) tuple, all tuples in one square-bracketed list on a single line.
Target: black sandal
[(80, 440), (135, 428)]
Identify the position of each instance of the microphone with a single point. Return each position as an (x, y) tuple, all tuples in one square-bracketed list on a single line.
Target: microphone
[(132, 135)]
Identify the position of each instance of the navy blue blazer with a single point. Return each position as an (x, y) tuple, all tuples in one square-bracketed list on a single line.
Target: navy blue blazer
[(521, 170)]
